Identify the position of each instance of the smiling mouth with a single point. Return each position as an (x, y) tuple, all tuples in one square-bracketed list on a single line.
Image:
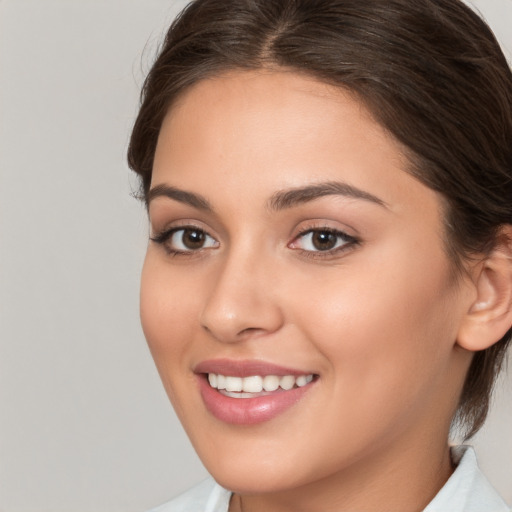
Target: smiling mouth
[(250, 392), (256, 385)]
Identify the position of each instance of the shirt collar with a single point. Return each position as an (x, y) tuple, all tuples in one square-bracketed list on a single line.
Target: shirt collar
[(467, 490)]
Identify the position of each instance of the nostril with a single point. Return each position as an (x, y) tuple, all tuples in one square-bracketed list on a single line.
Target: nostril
[(248, 330)]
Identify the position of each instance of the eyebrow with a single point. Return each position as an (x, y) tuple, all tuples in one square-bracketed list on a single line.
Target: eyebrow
[(279, 201), (182, 196), (295, 196)]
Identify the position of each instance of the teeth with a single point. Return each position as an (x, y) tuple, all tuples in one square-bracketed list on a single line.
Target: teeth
[(221, 382), (303, 380), (212, 379), (256, 383), (287, 382), (234, 384), (252, 384), (270, 383)]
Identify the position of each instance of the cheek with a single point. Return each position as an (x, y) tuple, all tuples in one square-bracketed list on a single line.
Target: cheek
[(385, 328), (169, 306), (167, 315)]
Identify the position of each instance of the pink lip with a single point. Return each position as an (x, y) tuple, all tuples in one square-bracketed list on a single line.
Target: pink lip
[(247, 411), (245, 368)]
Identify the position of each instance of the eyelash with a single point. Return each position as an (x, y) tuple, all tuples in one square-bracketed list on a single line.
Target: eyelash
[(164, 237), (349, 242)]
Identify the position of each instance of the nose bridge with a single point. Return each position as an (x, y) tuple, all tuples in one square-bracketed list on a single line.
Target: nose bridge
[(241, 301)]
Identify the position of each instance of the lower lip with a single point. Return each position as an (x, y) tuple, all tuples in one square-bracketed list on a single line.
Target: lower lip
[(249, 411)]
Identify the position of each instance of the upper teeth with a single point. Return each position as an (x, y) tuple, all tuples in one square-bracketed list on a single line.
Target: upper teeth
[(256, 383)]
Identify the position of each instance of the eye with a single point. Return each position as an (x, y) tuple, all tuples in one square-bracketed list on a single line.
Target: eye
[(322, 240), (185, 240)]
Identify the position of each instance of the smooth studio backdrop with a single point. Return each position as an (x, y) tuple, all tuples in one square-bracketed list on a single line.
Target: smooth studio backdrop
[(84, 423)]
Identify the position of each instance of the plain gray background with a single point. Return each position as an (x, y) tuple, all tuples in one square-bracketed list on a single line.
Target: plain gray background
[(84, 423)]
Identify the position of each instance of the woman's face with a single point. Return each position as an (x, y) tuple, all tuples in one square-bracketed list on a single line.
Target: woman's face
[(291, 250)]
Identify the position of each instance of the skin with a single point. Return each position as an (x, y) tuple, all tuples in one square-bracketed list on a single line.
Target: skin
[(377, 320)]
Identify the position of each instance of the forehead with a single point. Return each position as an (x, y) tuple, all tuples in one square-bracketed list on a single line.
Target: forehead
[(283, 95), (261, 131)]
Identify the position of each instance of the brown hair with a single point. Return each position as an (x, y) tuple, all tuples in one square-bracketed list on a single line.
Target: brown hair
[(430, 71)]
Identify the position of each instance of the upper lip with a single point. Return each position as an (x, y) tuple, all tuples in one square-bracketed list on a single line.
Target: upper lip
[(246, 368)]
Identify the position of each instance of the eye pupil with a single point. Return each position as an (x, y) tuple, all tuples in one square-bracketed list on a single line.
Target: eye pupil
[(193, 238), (324, 240)]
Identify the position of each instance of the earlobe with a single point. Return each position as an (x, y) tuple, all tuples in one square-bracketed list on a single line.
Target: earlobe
[(490, 314)]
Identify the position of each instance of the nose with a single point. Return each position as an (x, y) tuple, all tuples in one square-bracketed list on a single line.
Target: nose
[(242, 303)]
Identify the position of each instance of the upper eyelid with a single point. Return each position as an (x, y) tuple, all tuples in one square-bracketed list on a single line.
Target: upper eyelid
[(161, 236), (324, 225), (180, 224), (173, 229), (322, 228), (336, 231)]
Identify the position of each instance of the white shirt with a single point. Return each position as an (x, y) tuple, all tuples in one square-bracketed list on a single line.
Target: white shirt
[(467, 490)]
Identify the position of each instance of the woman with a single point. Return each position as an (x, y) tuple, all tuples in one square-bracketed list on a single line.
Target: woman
[(328, 284)]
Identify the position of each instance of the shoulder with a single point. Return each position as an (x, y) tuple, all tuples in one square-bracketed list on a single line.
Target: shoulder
[(206, 496)]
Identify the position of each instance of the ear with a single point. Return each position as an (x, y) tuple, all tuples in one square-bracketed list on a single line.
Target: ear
[(490, 314)]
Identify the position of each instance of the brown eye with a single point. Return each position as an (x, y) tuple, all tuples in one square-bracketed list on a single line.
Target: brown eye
[(185, 240), (324, 240), (192, 239)]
